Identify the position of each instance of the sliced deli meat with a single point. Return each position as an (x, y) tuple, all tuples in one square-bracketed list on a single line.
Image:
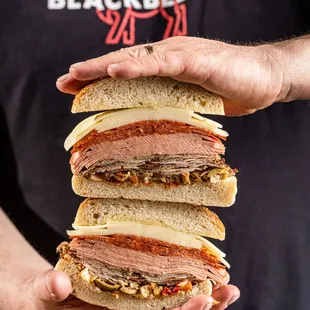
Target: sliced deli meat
[(108, 261), (153, 246), (153, 151), (142, 128), (135, 147)]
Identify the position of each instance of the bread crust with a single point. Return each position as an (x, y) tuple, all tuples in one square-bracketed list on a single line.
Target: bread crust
[(219, 194), (93, 295), (107, 94), (187, 218)]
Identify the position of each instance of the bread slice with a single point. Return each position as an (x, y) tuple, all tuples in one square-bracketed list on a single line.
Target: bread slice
[(108, 94), (220, 194), (196, 220), (93, 295)]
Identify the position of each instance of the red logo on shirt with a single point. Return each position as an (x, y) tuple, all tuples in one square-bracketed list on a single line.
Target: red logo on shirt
[(123, 28)]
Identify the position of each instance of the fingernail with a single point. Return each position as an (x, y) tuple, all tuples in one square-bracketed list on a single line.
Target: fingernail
[(113, 66), (49, 286), (78, 64), (63, 78), (234, 299)]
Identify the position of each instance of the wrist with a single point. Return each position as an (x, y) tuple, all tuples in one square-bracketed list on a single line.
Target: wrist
[(278, 58), (291, 58)]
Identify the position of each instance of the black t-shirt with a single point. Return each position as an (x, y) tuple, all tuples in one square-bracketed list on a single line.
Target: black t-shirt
[(268, 229)]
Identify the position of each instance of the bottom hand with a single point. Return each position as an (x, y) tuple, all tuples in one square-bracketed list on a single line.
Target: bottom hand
[(52, 290), (226, 295)]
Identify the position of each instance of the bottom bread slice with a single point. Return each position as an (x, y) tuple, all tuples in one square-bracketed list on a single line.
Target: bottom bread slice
[(219, 194), (91, 294)]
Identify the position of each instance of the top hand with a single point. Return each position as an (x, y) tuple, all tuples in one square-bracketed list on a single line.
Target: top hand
[(248, 76)]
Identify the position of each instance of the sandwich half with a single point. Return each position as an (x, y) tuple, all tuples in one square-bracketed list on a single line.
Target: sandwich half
[(150, 143), (127, 254)]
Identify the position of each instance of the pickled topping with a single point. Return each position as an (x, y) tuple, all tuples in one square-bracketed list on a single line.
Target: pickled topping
[(106, 286), (134, 288), (210, 174)]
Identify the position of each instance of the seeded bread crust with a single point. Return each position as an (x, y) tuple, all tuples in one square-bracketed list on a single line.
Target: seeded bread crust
[(155, 92), (93, 295)]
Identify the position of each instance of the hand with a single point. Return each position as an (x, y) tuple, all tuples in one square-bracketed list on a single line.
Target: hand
[(51, 290), (226, 295), (248, 77)]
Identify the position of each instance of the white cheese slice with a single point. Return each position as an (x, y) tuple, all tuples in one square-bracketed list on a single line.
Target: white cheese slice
[(149, 231), (116, 118)]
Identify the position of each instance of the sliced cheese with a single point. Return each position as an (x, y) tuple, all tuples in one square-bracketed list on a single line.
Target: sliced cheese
[(116, 118), (149, 231)]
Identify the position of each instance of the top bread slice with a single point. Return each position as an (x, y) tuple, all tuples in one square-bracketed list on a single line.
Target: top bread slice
[(155, 92), (196, 220)]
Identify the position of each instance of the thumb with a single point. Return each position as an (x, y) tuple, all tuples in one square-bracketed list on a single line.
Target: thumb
[(52, 285)]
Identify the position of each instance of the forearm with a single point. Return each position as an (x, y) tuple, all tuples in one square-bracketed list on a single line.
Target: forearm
[(294, 57), (18, 260)]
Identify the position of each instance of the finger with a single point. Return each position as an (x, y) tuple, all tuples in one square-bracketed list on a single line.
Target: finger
[(97, 67), (226, 295), (160, 63), (68, 85), (52, 286), (198, 303), (235, 109)]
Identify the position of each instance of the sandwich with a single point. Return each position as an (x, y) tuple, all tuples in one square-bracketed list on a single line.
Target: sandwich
[(150, 143), (139, 254)]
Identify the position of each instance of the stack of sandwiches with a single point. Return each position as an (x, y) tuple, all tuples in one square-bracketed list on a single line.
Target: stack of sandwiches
[(148, 165)]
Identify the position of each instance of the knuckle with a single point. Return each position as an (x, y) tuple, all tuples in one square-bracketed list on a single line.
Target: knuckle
[(182, 61), (127, 51), (131, 53), (122, 50), (159, 57), (97, 63), (136, 62)]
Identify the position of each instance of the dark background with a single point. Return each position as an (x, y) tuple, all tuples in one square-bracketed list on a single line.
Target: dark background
[(268, 229)]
